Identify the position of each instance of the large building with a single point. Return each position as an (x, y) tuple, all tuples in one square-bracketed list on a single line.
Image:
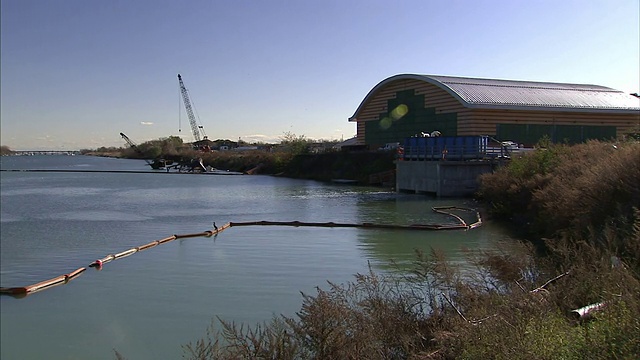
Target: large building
[(521, 111)]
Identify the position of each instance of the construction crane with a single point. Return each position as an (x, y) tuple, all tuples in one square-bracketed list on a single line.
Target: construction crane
[(155, 164), (195, 128)]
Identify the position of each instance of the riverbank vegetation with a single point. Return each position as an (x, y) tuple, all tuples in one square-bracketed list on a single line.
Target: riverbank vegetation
[(571, 291), (295, 156), (5, 150)]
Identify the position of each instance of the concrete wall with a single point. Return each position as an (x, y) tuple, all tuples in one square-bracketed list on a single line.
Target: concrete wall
[(442, 178)]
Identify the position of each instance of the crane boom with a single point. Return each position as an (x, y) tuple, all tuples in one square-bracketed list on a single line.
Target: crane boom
[(187, 105), (134, 147), (155, 164)]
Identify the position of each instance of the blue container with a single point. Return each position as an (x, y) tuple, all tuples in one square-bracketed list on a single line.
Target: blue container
[(452, 147)]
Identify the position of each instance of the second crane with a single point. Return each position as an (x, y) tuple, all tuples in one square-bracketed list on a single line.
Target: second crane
[(198, 130)]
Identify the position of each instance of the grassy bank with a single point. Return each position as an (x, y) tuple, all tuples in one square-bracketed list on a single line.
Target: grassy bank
[(579, 208)]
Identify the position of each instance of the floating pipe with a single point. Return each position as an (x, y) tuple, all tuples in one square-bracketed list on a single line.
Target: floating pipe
[(440, 209), (125, 253), (148, 246), (13, 291), (221, 229), (474, 225), (45, 284), (184, 236), (98, 263), (68, 277), (167, 239), (362, 225), (25, 290), (462, 222)]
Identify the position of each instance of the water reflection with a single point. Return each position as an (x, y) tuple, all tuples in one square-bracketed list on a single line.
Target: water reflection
[(393, 248)]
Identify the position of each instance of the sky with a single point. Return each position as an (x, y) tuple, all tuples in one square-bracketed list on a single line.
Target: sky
[(76, 73)]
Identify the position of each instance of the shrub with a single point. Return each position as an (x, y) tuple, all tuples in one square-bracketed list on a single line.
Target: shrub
[(579, 189), (510, 190), (594, 185)]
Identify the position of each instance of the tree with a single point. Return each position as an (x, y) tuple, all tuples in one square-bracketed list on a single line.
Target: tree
[(171, 145), (295, 144), (4, 150)]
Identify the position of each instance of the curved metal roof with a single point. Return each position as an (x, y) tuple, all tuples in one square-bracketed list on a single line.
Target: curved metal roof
[(525, 95)]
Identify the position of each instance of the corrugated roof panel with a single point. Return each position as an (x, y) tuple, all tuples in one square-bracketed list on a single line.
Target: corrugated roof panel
[(523, 95), (508, 93)]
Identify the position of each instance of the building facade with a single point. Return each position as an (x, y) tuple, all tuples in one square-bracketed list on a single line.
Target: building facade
[(407, 105)]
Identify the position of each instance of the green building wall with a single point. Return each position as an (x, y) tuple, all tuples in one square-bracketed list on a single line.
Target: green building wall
[(405, 117), (530, 134)]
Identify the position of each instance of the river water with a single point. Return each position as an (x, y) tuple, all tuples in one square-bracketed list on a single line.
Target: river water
[(147, 305)]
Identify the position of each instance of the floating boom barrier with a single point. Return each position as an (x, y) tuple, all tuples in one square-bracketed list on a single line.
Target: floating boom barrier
[(344, 225), (213, 172), (462, 225), (26, 290), (20, 292)]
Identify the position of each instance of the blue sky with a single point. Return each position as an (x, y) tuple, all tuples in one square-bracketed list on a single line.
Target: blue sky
[(76, 73)]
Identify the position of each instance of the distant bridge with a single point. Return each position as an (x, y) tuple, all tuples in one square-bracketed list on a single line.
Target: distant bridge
[(45, 152)]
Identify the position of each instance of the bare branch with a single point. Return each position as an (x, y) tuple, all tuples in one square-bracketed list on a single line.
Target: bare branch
[(472, 322), (548, 282)]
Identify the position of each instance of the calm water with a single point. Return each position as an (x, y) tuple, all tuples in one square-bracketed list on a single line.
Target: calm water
[(149, 304)]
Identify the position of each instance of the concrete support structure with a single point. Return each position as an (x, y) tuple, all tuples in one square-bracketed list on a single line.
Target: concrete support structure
[(442, 178)]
